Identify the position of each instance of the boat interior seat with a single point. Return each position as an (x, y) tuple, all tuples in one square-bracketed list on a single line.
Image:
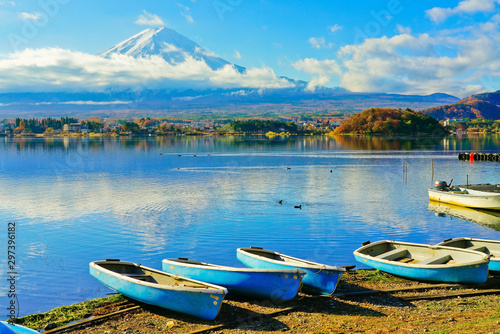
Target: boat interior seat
[(272, 256), (141, 277), (393, 254), (437, 259), (478, 248)]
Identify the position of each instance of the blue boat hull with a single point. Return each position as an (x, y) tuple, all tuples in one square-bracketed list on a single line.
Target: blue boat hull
[(494, 267), (322, 281), (6, 328), (198, 304), (273, 285), (474, 274), (490, 247)]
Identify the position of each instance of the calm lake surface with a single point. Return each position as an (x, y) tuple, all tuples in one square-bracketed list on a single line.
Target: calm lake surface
[(145, 199)]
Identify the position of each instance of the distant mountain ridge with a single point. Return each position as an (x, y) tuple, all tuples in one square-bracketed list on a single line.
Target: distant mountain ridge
[(214, 101), (484, 105)]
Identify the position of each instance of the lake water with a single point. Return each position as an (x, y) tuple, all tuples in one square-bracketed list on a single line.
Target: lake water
[(145, 199)]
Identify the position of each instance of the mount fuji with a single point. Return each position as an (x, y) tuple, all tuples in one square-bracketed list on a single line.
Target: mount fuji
[(173, 47), (164, 51)]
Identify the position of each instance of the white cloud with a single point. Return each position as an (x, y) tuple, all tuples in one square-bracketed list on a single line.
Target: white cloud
[(408, 64), (205, 52), (319, 42), (7, 3), (188, 17), (314, 66), (321, 71), (403, 30), (459, 62), (186, 13), (167, 47), (439, 14), (148, 19), (55, 69), (30, 16), (335, 28), (237, 54)]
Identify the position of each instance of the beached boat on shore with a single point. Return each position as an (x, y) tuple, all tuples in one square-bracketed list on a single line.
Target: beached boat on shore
[(7, 328), (273, 284), (490, 247), (155, 287), (425, 262), (481, 196), (319, 278)]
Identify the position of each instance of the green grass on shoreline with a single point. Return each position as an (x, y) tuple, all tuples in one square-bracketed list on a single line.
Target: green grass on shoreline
[(65, 314)]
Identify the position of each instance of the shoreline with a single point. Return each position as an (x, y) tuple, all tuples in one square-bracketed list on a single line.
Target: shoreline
[(358, 305), (269, 135)]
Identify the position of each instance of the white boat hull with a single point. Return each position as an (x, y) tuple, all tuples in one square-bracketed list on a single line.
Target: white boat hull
[(468, 198)]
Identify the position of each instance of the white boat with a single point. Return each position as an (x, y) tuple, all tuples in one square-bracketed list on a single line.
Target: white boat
[(480, 196)]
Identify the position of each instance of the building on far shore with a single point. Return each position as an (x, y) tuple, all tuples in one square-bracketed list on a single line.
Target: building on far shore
[(72, 127)]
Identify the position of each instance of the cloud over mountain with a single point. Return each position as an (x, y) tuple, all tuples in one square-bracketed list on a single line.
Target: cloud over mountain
[(146, 61), (148, 19)]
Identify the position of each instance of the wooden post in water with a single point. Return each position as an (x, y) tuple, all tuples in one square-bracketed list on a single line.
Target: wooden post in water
[(432, 175), (467, 184)]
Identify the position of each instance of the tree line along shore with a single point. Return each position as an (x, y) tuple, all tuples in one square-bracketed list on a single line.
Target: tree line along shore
[(374, 121)]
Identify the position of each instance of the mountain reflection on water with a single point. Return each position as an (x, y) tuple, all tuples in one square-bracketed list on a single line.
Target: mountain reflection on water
[(210, 143)]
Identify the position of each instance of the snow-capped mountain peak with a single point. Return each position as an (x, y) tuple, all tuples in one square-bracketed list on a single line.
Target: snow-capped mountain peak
[(170, 45)]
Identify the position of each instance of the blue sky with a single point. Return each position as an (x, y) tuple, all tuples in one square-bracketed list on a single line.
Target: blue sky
[(396, 46)]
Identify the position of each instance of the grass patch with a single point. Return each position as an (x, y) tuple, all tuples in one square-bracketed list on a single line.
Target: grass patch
[(65, 314), (374, 276)]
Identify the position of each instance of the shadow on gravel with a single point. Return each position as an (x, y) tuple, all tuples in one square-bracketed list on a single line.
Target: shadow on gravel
[(327, 305), (230, 315)]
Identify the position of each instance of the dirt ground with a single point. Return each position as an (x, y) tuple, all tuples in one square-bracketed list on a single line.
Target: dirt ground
[(375, 313)]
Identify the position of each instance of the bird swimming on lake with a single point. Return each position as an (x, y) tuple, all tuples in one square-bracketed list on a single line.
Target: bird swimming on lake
[(298, 206), (280, 201)]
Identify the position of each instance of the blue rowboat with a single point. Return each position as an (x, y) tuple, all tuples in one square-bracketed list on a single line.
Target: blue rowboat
[(155, 287), (425, 262), (490, 247), (7, 328), (273, 284), (319, 278)]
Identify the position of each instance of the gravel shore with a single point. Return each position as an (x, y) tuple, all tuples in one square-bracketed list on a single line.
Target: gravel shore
[(400, 311)]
